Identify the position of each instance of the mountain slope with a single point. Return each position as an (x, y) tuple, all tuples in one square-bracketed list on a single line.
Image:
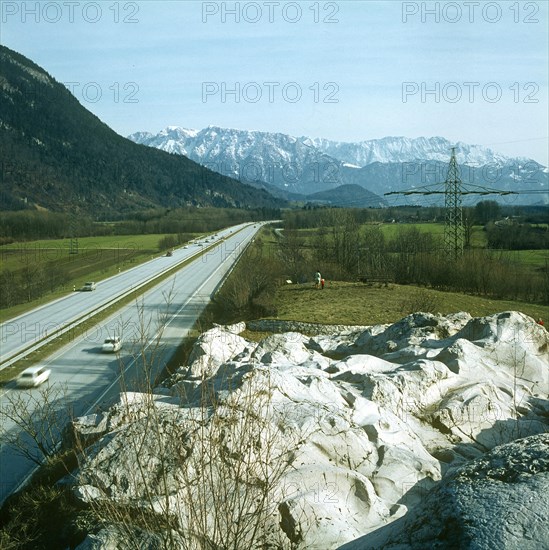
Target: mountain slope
[(307, 166), (57, 155), (252, 157)]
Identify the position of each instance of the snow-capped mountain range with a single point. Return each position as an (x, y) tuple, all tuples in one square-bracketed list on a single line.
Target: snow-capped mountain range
[(304, 165), (402, 149)]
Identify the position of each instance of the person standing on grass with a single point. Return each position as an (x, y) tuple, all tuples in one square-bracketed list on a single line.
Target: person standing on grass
[(322, 281), (317, 279)]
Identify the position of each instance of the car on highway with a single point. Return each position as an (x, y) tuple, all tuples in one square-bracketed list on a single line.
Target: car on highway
[(89, 286), (33, 376), (111, 345)]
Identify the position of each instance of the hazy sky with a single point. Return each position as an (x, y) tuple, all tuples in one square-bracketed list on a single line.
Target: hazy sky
[(345, 70)]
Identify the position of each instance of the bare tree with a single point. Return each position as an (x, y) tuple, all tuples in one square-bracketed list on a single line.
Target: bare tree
[(292, 254), (33, 422)]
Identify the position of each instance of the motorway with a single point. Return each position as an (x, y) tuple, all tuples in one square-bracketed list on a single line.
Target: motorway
[(89, 378), (30, 328)]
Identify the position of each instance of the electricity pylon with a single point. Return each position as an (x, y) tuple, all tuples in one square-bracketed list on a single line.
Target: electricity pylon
[(453, 220), (454, 234)]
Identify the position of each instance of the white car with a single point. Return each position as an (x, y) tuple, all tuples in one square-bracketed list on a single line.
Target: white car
[(33, 376), (89, 286), (112, 345)]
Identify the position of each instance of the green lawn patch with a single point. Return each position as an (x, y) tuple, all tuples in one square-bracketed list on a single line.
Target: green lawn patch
[(362, 304)]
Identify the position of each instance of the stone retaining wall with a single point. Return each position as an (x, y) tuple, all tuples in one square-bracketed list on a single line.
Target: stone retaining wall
[(279, 326)]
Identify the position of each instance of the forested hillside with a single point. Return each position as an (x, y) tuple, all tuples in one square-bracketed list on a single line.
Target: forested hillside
[(55, 154)]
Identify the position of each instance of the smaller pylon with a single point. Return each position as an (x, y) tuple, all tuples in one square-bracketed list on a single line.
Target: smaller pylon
[(453, 225), (73, 246)]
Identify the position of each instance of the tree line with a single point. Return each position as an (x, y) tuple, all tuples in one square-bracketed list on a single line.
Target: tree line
[(482, 213), (29, 225)]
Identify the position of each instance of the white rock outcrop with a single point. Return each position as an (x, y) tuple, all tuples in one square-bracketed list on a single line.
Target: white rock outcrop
[(496, 501), (325, 440)]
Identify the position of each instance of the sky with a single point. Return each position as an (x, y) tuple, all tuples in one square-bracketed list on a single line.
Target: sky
[(473, 71)]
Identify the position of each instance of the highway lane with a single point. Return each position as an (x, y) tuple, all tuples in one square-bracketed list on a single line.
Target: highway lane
[(89, 378), (29, 328)]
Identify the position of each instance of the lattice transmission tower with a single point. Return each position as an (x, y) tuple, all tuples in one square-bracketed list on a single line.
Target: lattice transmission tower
[(454, 234), (453, 191)]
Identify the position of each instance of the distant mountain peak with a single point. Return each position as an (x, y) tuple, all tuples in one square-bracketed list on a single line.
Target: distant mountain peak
[(306, 165)]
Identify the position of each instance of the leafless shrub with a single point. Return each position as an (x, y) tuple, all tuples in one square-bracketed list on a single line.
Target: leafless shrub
[(195, 471), (250, 289), (34, 421), (421, 300)]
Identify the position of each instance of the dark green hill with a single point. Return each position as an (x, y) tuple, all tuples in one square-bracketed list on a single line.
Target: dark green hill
[(56, 155)]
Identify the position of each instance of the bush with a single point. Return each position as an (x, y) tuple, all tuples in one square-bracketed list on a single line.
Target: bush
[(421, 300), (250, 289), (517, 237), (168, 242)]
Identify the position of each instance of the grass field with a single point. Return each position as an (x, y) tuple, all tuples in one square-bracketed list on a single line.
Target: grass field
[(361, 304), (358, 303), (530, 258), (112, 248)]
